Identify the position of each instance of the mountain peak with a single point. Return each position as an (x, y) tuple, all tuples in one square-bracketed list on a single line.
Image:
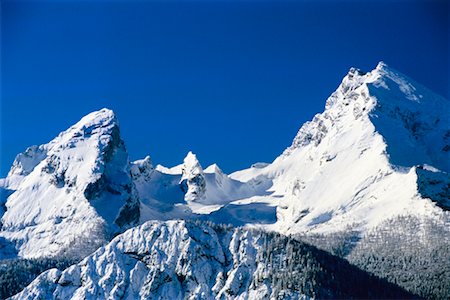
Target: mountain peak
[(91, 123), (104, 115), (141, 168), (193, 178), (191, 165), (381, 65), (381, 94), (99, 123), (82, 174), (388, 124), (214, 168), (190, 157), (355, 78)]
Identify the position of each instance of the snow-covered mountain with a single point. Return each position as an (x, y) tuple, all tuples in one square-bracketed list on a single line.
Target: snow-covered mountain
[(187, 260), (186, 191), (74, 193), (378, 155), (380, 149), (72, 190)]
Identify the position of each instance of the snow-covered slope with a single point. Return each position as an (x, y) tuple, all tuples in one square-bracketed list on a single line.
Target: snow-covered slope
[(187, 260), (365, 159), (186, 191), (380, 149), (65, 192)]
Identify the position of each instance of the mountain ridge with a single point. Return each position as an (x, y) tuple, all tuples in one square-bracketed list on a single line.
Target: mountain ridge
[(185, 259), (345, 134), (374, 142), (372, 166)]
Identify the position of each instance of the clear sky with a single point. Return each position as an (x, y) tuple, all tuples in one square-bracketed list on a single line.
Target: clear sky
[(232, 81)]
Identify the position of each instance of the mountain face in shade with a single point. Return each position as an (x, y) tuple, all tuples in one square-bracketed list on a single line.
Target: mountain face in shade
[(75, 187)]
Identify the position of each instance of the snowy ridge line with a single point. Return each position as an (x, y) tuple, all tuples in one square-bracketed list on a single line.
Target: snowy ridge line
[(180, 260), (380, 149)]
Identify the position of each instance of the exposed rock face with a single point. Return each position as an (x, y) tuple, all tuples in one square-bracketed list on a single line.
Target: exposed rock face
[(142, 169)]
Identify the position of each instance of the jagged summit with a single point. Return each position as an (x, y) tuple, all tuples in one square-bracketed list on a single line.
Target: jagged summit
[(103, 116), (388, 99), (142, 169), (97, 123), (381, 137), (77, 183), (381, 65), (378, 153), (193, 179), (191, 166), (214, 168), (370, 146)]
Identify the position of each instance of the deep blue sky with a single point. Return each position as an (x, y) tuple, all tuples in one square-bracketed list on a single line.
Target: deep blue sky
[(232, 81)]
